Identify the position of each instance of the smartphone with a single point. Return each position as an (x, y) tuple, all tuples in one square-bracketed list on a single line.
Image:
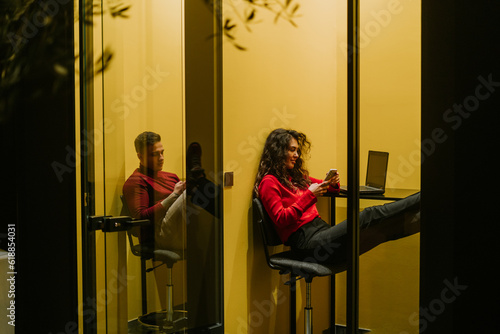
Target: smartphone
[(330, 174)]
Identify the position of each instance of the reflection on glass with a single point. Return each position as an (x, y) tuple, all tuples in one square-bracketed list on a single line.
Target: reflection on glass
[(161, 197), (152, 171)]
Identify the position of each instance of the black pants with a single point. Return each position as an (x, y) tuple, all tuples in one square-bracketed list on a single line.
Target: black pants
[(205, 195), (320, 242)]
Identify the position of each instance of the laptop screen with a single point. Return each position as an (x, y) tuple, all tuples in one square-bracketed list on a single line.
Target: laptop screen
[(376, 171)]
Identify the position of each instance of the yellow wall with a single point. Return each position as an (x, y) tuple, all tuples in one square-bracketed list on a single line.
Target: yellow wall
[(287, 78), (296, 78)]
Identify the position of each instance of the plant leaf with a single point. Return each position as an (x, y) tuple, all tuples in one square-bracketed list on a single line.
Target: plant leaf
[(277, 17), (227, 26), (251, 16), (117, 11), (104, 61), (239, 47)]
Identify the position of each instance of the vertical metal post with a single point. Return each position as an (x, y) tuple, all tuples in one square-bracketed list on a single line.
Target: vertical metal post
[(170, 298), (333, 329), (144, 288), (352, 311), (219, 159), (203, 107), (87, 122), (308, 321), (293, 305)]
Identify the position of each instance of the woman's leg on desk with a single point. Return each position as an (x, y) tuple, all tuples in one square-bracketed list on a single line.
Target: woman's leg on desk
[(378, 224)]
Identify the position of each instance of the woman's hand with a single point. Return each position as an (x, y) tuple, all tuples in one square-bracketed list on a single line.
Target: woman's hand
[(179, 187), (318, 189), (334, 180)]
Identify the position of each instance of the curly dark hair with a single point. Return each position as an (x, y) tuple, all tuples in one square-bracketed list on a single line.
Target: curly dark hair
[(274, 156), (145, 139)]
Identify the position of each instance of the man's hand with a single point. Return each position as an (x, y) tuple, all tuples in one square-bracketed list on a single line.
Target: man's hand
[(179, 187)]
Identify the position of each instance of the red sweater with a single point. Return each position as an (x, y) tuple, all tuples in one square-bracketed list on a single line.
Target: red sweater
[(143, 192), (289, 209)]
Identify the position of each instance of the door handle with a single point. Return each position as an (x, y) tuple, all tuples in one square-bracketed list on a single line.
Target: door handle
[(114, 224)]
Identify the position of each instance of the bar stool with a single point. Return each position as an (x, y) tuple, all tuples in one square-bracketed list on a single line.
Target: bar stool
[(157, 321), (288, 263)]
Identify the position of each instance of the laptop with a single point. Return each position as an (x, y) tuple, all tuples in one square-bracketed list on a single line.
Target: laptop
[(376, 174)]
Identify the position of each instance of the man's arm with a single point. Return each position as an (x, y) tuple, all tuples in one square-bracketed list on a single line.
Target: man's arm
[(137, 198)]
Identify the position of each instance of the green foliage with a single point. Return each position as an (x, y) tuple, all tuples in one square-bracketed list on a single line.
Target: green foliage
[(36, 58), (34, 41), (250, 15), (34, 50)]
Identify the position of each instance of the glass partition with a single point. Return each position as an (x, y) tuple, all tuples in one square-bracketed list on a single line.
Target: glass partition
[(390, 49), (293, 74), (142, 90), (159, 269)]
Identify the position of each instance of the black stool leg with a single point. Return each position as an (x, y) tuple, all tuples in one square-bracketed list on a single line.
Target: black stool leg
[(308, 322), (333, 329), (293, 305), (144, 290), (170, 298)]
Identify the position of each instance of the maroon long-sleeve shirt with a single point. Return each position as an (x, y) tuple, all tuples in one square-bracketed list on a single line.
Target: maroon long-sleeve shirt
[(143, 192)]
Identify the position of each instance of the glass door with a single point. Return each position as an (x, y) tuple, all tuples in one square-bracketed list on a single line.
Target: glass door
[(390, 48), (152, 242)]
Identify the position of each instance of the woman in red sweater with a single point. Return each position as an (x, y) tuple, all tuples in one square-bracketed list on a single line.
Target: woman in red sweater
[(289, 196)]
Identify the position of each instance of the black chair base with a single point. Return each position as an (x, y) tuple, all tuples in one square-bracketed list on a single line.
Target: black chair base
[(341, 329), (156, 322)]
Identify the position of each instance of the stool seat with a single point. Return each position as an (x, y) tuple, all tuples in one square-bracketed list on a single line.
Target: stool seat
[(288, 261), (166, 256)]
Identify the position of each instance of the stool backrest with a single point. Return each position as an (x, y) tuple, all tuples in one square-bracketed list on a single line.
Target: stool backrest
[(269, 234), (144, 251)]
